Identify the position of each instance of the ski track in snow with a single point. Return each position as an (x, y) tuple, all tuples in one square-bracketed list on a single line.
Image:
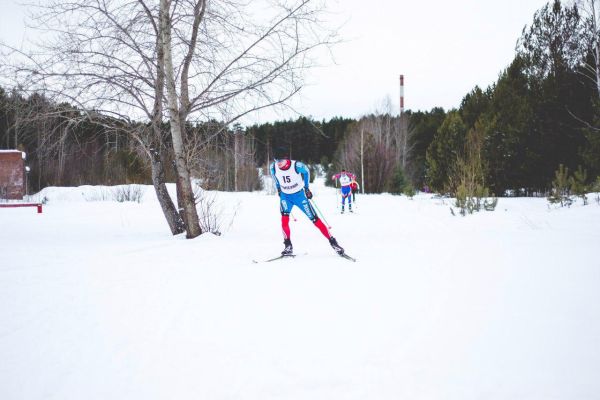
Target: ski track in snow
[(99, 301)]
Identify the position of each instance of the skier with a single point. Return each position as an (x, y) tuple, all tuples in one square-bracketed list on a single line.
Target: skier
[(354, 186), (345, 179), (291, 179)]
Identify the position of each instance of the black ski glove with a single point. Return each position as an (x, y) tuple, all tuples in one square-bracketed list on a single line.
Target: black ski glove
[(308, 193)]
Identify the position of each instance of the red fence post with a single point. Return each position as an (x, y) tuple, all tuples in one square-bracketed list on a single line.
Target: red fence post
[(39, 207)]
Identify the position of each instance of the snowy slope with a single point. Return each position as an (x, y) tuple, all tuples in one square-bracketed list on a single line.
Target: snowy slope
[(98, 301)]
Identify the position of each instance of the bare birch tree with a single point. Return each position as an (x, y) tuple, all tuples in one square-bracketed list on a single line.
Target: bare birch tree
[(177, 107), (375, 133), (229, 65), (377, 145), (216, 59)]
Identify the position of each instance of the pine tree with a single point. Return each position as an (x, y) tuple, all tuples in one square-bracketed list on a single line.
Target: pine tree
[(445, 147), (578, 184), (561, 187), (467, 179)]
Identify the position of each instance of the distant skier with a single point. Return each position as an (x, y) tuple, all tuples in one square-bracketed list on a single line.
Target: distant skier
[(354, 186), (345, 179), (291, 179)]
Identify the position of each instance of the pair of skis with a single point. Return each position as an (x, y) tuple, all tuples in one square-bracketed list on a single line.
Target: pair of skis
[(343, 255)]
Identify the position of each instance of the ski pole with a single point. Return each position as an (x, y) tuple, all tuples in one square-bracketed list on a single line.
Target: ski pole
[(337, 195), (319, 212)]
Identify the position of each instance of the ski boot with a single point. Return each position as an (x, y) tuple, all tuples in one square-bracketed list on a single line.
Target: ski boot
[(288, 250), (334, 244), (342, 209), (350, 208)]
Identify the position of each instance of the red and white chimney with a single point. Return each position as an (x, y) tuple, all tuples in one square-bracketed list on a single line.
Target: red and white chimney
[(401, 94)]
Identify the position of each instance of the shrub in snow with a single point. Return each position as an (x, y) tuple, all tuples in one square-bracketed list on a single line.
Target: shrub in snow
[(409, 190), (128, 193), (470, 199), (210, 214), (399, 184), (578, 185), (98, 194), (561, 187)]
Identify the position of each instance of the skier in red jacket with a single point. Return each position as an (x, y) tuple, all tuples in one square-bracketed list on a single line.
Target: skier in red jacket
[(354, 187)]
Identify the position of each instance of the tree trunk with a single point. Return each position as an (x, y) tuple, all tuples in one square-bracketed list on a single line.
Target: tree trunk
[(190, 214), (237, 137), (597, 57), (158, 180), (594, 20), (362, 155), (178, 190)]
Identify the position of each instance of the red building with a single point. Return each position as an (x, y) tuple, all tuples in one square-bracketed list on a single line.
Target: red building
[(12, 174)]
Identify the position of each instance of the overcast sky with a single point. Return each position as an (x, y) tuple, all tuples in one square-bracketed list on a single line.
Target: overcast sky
[(443, 48)]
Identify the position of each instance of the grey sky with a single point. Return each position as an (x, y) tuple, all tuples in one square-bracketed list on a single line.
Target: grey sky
[(443, 48)]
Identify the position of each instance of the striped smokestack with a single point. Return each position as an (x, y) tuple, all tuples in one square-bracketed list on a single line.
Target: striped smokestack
[(401, 94)]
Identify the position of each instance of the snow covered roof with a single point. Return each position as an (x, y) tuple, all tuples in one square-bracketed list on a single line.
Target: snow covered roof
[(23, 154)]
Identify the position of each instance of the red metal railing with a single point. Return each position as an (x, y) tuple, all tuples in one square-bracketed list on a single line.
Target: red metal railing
[(10, 205)]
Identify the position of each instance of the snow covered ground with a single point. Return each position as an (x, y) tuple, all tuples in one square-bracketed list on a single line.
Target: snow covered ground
[(99, 301)]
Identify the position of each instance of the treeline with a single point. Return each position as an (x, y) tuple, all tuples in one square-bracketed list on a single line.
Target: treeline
[(307, 140), (509, 138), (65, 148)]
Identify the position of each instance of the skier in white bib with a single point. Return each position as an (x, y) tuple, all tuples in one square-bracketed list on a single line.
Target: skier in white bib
[(346, 179), (292, 179)]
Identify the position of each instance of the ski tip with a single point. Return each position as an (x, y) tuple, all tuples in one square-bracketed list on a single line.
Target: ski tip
[(347, 257), (280, 257)]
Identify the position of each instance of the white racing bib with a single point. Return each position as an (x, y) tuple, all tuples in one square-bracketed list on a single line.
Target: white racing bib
[(289, 180), (345, 180)]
